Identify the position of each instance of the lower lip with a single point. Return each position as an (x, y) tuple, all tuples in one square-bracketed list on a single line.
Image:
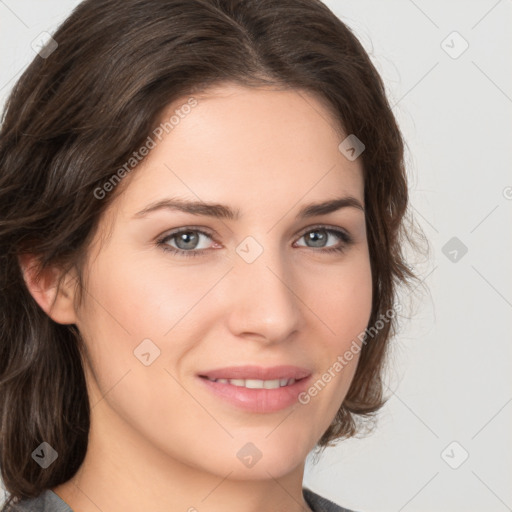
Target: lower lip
[(257, 400)]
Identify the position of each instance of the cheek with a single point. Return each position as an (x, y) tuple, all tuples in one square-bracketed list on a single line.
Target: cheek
[(129, 301), (342, 301), (341, 297), (141, 299)]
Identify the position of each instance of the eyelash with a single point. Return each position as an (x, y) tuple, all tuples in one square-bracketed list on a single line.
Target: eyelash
[(342, 235)]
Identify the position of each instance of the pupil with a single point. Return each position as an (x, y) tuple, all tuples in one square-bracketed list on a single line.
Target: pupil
[(187, 240), (317, 240)]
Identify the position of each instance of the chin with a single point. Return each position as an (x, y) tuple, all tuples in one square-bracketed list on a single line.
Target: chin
[(279, 452), (253, 454), (275, 466)]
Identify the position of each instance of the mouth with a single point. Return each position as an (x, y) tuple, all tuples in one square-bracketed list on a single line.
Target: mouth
[(255, 383), (257, 389), (250, 372)]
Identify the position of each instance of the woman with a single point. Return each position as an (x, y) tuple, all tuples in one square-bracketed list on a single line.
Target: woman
[(202, 207)]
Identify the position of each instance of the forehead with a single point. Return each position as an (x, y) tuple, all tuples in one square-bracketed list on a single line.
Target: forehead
[(254, 148)]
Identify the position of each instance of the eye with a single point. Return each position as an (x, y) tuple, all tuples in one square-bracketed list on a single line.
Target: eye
[(319, 236), (187, 242), (191, 241)]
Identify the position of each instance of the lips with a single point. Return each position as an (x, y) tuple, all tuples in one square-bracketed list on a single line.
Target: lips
[(282, 372), (256, 383), (257, 389)]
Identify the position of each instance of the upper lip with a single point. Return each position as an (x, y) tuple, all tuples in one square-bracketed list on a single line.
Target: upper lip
[(257, 372)]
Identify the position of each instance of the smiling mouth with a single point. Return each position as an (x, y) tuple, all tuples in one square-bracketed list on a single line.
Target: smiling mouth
[(255, 383), (257, 389)]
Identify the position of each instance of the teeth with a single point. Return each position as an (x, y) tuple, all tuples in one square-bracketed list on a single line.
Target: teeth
[(252, 383), (271, 384), (256, 383)]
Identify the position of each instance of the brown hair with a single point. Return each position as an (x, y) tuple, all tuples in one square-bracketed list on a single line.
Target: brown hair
[(76, 116)]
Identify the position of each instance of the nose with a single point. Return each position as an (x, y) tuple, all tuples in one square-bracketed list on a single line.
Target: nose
[(263, 304)]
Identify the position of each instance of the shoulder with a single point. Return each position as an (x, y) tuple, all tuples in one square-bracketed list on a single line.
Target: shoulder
[(47, 501), (320, 504)]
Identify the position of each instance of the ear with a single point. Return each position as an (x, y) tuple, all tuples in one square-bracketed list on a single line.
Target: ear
[(58, 305)]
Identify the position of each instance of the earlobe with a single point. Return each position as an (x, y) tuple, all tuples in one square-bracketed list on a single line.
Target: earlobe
[(57, 304)]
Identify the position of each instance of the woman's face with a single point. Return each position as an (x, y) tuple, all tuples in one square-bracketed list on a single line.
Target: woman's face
[(254, 296)]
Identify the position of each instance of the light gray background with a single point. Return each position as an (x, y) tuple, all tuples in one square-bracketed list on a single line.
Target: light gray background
[(451, 365)]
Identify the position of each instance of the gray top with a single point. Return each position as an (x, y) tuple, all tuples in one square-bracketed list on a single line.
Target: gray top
[(48, 501)]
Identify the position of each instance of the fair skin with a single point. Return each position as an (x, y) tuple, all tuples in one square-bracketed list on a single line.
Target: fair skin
[(160, 439)]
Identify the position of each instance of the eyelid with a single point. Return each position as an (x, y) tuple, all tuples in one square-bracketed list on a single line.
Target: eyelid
[(200, 229), (327, 227), (209, 232), (345, 237)]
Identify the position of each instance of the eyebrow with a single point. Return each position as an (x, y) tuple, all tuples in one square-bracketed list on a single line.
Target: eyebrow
[(222, 211)]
